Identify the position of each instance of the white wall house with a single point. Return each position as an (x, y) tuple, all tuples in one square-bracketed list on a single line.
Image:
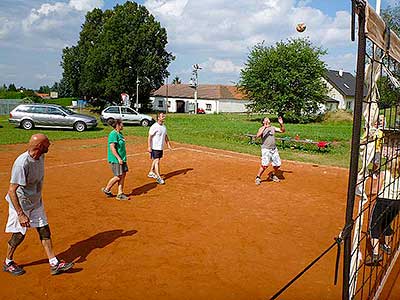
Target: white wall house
[(341, 90), (179, 98)]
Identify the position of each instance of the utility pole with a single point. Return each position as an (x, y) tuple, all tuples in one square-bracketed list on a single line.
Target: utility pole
[(195, 83), (137, 92)]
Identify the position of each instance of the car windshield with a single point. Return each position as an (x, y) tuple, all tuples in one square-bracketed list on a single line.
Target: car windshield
[(67, 111)]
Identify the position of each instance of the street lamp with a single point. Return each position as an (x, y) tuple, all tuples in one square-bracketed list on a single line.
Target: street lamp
[(195, 83)]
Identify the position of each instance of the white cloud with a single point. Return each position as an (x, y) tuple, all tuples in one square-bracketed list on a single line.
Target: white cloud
[(221, 66), (5, 27), (172, 8), (57, 15), (85, 5)]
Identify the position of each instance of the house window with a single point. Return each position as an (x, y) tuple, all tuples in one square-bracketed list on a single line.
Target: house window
[(169, 103), (348, 105), (208, 107), (160, 103)]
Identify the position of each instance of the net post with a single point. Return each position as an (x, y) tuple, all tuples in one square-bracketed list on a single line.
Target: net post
[(355, 147)]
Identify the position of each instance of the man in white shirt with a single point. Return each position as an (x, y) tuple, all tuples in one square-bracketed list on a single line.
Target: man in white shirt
[(157, 137)]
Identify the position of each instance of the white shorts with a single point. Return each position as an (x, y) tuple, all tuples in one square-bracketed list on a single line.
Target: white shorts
[(270, 156), (37, 217)]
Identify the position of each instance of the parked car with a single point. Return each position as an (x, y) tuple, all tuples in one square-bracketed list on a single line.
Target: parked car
[(126, 114), (28, 116), (201, 111)]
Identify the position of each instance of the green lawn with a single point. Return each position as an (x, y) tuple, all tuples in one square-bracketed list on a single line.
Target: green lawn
[(223, 131)]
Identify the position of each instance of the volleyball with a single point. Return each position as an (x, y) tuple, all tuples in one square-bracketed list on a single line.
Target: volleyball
[(301, 27)]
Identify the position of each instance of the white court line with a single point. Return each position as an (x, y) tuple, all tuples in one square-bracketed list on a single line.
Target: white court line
[(90, 161), (147, 153)]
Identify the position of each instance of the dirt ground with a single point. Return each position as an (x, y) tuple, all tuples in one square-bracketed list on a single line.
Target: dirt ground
[(208, 233)]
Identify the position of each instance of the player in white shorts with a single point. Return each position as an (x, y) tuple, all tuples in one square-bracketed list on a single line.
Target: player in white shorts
[(26, 208), (269, 152)]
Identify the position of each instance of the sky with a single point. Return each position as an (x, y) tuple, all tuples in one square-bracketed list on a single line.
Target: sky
[(215, 34)]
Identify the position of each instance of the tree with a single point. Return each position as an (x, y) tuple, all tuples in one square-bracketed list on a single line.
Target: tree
[(44, 89), (12, 88), (285, 79), (117, 47), (176, 80)]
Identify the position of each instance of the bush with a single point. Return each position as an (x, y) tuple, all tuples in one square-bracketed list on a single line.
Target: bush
[(294, 118), (338, 116)]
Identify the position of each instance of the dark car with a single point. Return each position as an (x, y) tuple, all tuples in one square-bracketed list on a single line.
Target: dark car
[(28, 116)]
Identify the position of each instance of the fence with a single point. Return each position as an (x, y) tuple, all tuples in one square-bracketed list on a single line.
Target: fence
[(7, 105)]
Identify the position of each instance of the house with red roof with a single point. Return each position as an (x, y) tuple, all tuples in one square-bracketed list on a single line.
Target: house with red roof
[(212, 98)]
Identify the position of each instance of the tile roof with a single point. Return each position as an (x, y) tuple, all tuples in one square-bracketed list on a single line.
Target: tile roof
[(204, 91)]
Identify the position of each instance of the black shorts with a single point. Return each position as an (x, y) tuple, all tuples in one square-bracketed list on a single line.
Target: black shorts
[(156, 154)]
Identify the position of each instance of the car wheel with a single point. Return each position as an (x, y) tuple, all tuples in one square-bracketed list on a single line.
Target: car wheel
[(145, 122), (27, 124), (109, 120), (80, 126)]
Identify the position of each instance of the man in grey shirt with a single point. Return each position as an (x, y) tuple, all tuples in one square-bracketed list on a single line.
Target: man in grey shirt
[(26, 205), (269, 152)]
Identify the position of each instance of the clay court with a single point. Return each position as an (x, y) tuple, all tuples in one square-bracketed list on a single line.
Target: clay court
[(208, 233)]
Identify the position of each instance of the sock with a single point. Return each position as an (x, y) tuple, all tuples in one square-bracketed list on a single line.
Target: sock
[(8, 261), (53, 261)]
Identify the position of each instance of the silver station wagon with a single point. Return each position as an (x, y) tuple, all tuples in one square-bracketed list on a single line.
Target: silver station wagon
[(28, 116), (126, 114)]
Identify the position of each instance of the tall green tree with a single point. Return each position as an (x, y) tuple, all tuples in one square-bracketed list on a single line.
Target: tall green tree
[(285, 79), (44, 89), (12, 88), (117, 47)]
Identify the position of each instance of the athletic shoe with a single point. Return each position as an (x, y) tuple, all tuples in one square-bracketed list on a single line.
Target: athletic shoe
[(61, 267), (373, 260), (13, 269), (152, 175), (122, 197), (258, 180), (107, 193), (274, 178), (160, 180), (386, 248)]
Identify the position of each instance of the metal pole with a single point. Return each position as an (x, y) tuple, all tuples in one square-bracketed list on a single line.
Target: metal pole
[(137, 93), (195, 100), (378, 7), (195, 91), (355, 148)]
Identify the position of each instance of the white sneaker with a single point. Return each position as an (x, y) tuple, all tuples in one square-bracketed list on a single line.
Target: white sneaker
[(152, 175), (160, 180), (274, 178), (258, 180)]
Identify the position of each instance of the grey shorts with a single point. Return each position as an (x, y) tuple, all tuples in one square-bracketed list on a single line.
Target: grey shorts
[(118, 169)]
